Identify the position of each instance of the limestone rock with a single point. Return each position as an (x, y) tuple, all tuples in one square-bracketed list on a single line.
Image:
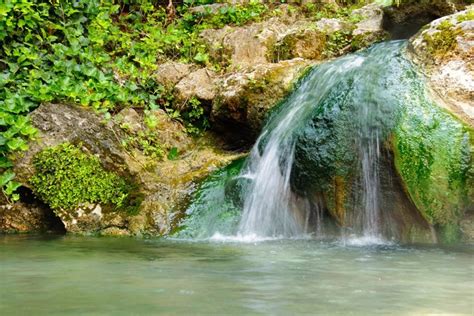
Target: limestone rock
[(163, 184), (171, 73), (372, 19), (445, 52), (245, 98), (23, 217), (305, 42), (59, 123), (199, 84)]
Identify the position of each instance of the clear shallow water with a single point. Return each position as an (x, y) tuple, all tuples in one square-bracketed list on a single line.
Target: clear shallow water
[(46, 275)]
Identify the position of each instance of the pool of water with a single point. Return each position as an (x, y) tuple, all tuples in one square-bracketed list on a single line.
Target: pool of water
[(78, 275)]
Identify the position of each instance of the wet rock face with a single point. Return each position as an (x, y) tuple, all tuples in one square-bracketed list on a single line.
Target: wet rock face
[(439, 178), (445, 52)]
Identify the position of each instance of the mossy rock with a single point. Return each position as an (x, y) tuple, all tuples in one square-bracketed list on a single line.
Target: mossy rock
[(66, 178), (433, 155)]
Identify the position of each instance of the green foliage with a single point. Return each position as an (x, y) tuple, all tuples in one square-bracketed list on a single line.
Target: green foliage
[(318, 11), (337, 43), (443, 40), (100, 54), (66, 177), (173, 154), (469, 16), (194, 118)]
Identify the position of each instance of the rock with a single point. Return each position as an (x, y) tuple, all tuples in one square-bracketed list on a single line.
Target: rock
[(439, 178), (130, 120), (467, 228), (198, 84), (304, 43), (163, 185), (245, 98), (372, 19), (169, 133), (23, 218), (241, 47), (208, 8), (238, 48), (59, 123), (170, 73), (445, 52), (331, 25), (412, 9)]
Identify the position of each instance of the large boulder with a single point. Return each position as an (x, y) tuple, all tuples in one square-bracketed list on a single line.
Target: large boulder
[(131, 146), (445, 52), (439, 177)]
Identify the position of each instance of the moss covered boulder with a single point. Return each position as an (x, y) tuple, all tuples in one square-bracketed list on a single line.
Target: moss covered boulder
[(126, 175), (434, 140)]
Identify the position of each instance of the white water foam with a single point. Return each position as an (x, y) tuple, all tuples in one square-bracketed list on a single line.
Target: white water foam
[(363, 241)]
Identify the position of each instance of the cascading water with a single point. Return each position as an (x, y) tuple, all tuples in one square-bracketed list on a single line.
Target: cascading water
[(268, 208), (322, 152), (268, 200)]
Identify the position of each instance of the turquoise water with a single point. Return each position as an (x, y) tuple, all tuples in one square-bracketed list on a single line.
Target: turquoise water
[(96, 276)]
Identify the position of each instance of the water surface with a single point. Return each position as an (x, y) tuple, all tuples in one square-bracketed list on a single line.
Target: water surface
[(77, 275)]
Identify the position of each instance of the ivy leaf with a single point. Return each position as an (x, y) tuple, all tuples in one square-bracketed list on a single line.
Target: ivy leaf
[(201, 58), (28, 130), (11, 187), (17, 144), (5, 163), (6, 177)]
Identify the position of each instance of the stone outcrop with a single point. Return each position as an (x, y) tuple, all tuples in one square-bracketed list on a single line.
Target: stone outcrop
[(29, 216), (445, 52), (262, 61), (442, 183), (244, 98), (164, 184)]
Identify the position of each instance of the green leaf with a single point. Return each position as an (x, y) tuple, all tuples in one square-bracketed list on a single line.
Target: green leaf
[(5, 163), (17, 144), (11, 187), (6, 177), (201, 58), (173, 154)]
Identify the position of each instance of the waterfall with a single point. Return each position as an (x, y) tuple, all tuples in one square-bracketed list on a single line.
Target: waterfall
[(269, 208), (320, 163)]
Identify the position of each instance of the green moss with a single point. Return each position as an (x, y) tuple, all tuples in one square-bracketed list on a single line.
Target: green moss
[(66, 177), (433, 156), (449, 233), (443, 40), (469, 16), (216, 205)]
